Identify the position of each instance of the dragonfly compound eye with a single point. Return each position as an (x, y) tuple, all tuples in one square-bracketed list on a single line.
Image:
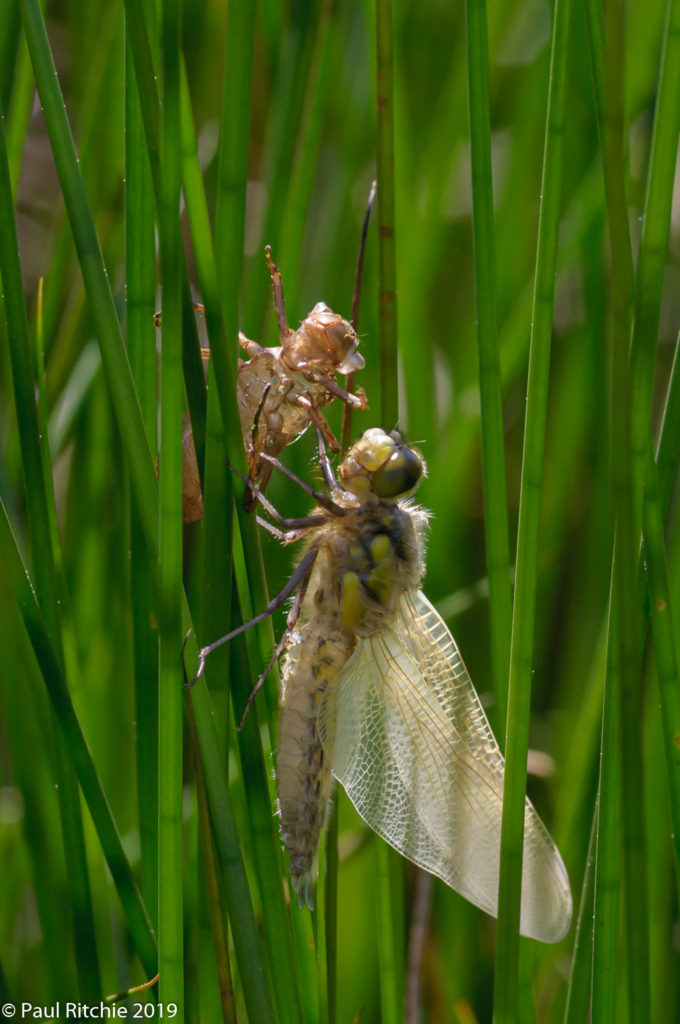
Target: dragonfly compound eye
[(399, 475)]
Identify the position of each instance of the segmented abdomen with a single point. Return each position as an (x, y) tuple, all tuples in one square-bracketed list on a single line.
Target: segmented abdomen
[(317, 651)]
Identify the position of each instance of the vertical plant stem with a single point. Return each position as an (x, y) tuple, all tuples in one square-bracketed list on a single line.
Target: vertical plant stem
[(140, 269), (654, 243), (331, 917), (626, 596), (218, 922), (665, 643), (519, 695), (389, 922), (95, 278), (75, 743), (387, 272), (41, 516), (254, 978), (170, 876), (493, 448), (579, 991), (608, 863), (312, 127)]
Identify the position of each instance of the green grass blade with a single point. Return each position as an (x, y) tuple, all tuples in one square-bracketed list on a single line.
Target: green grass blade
[(580, 976), (93, 270), (246, 942), (76, 744), (651, 261), (625, 591), (41, 516), (609, 860), (667, 448), (390, 949), (387, 275), (217, 921), (331, 908), (170, 873), (146, 71), (665, 643), (519, 691), (140, 293), (310, 137), (493, 444)]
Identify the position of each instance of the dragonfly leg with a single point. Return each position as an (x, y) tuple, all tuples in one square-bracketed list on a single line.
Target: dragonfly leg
[(326, 467), (303, 568), (291, 533), (258, 412), (261, 678), (251, 348), (357, 400), (293, 616), (287, 524), (322, 499), (318, 421), (279, 304)]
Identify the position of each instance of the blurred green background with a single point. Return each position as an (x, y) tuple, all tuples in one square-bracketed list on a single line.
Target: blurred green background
[(311, 159)]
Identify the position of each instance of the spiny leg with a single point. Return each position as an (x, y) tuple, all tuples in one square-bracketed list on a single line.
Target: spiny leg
[(277, 287), (357, 401), (249, 499), (326, 467), (290, 536), (318, 421), (293, 616), (321, 499), (259, 498), (304, 567)]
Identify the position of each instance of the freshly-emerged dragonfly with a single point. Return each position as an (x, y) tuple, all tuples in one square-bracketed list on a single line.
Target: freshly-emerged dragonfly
[(281, 389), (374, 691)]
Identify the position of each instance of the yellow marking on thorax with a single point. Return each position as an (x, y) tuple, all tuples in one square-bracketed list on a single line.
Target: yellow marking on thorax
[(352, 605), (382, 554)]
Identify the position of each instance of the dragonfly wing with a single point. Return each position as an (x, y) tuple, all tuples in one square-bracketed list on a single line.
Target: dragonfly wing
[(408, 739)]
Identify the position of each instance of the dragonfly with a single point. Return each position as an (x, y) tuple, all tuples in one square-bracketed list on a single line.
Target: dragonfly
[(375, 693)]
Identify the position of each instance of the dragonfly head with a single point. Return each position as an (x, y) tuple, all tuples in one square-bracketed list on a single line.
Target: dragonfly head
[(381, 465)]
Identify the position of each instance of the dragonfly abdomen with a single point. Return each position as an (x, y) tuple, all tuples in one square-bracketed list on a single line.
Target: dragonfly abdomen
[(317, 652)]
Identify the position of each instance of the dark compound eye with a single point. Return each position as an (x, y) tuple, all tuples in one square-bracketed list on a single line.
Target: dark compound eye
[(399, 475)]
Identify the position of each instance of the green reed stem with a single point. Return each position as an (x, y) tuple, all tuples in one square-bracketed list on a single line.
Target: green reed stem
[(519, 691), (493, 446), (387, 272)]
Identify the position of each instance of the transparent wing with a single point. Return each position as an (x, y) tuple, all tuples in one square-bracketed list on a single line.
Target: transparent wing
[(408, 739)]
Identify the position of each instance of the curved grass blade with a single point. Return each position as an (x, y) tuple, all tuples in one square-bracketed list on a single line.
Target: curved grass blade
[(651, 260), (246, 943), (93, 270), (519, 691), (76, 745), (42, 520), (493, 447)]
